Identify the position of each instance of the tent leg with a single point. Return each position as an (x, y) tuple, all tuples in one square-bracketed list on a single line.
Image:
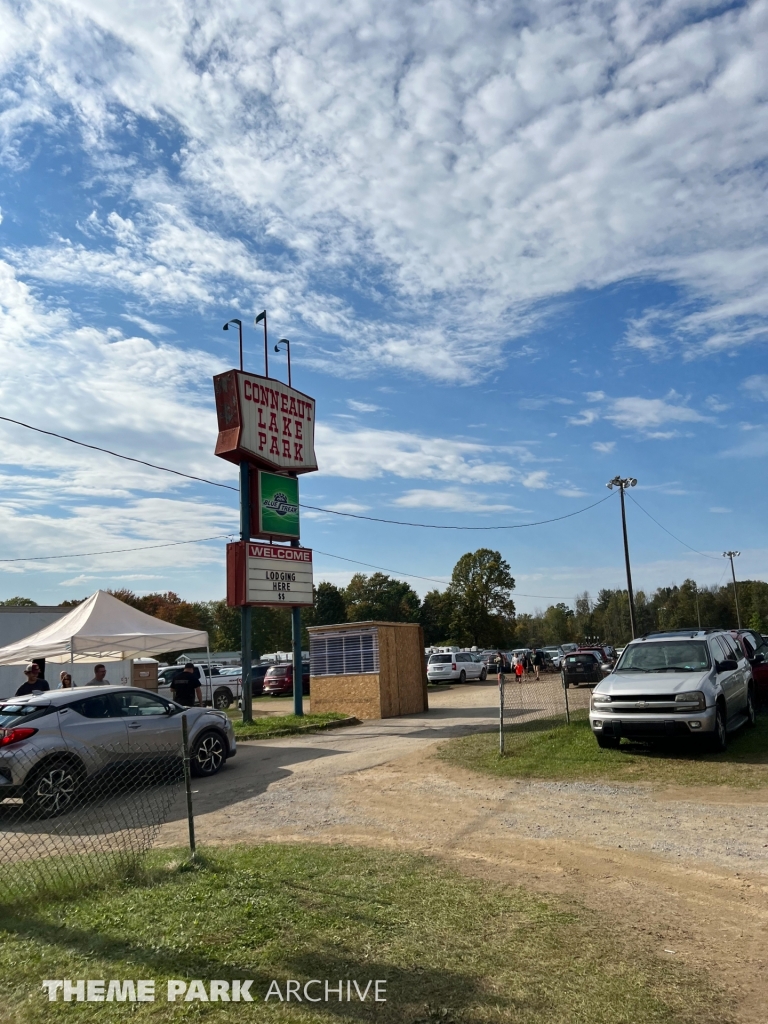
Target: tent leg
[(210, 674)]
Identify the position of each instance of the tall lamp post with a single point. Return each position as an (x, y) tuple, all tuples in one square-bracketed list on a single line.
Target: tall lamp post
[(732, 555), (240, 329), (284, 341), (262, 319), (622, 484)]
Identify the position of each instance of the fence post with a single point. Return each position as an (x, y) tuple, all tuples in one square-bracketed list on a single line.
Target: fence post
[(188, 784), (501, 711), (567, 709)]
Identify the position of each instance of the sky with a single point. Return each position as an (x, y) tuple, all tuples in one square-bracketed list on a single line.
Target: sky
[(518, 248)]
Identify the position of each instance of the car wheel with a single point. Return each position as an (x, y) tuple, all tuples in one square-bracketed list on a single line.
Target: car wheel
[(52, 788), (209, 754), (751, 714), (719, 739), (462, 676), (222, 698), (607, 742), (483, 675)]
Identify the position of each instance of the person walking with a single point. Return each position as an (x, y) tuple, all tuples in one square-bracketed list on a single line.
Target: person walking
[(519, 668), (499, 661), (65, 681), (536, 660), (33, 683), (185, 687)]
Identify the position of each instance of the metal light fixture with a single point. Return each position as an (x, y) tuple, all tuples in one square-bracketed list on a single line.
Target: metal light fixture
[(286, 342), (240, 329), (262, 317), (622, 484)]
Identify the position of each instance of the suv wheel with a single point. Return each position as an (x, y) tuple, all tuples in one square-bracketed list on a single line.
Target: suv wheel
[(209, 754), (462, 676), (222, 698), (483, 674), (719, 738), (52, 788), (751, 714)]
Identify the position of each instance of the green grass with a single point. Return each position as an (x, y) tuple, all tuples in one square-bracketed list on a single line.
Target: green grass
[(571, 752), (451, 949), (283, 725)]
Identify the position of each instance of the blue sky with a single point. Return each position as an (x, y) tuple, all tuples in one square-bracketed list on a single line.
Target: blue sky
[(517, 248)]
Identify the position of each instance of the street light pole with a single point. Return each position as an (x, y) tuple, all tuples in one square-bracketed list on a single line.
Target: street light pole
[(732, 555), (240, 329), (262, 318), (284, 341), (622, 484)]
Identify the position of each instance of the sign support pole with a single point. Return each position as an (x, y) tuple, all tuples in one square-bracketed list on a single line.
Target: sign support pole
[(245, 611), (298, 667)]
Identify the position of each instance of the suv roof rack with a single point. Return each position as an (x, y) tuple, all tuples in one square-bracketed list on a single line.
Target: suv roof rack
[(690, 631)]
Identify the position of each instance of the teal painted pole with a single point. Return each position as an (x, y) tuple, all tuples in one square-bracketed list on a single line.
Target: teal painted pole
[(245, 611), (298, 667)]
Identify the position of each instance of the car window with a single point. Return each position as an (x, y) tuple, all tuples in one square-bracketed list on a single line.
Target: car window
[(665, 656), (581, 659), (133, 705), (95, 707), (440, 659), (12, 714), (730, 645)]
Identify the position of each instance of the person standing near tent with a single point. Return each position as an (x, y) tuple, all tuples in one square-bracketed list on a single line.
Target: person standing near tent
[(33, 684), (186, 687), (99, 676)]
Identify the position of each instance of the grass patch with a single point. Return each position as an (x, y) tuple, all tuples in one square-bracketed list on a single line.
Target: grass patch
[(283, 725), (571, 752), (451, 949)]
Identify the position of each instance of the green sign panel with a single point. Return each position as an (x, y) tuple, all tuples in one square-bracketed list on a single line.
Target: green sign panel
[(278, 506)]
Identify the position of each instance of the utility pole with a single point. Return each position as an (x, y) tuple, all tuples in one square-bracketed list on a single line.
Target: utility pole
[(698, 614), (622, 484), (732, 555)]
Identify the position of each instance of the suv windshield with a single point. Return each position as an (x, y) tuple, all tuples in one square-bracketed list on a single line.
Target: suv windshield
[(441, 659), (665, 656)]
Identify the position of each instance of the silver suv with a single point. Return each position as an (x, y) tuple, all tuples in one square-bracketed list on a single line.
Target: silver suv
[(53, 745), (685, 683)]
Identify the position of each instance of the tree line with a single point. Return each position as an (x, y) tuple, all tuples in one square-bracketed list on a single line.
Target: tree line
[(475, 609)]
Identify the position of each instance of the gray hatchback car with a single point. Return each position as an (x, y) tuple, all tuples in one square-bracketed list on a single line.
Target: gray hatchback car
[(52, 745)]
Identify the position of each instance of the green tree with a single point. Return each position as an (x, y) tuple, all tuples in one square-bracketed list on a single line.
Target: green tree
[(481, 586), (19, 602), (380, 597), (330, 606), (436, 617)]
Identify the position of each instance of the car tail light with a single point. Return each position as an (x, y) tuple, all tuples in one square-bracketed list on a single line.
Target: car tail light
[(453, 667), (8, 736)]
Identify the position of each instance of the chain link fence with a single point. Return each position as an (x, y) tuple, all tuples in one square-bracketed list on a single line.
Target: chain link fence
[(531, 704), (80, 809)]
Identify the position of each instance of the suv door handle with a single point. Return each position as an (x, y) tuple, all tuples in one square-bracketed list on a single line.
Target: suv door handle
[(135, 725)]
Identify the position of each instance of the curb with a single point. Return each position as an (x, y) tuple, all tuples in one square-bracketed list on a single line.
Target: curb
[(321, 727)]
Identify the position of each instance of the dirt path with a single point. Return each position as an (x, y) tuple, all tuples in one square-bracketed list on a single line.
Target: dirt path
[(686, 870)]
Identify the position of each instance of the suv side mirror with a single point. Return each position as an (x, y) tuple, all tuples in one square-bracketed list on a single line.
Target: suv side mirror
[(726, 666), (758, 659)]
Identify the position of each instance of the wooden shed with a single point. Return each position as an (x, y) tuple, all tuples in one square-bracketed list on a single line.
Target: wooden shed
[(368, 669)]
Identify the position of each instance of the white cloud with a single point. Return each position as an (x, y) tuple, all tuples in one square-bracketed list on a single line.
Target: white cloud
[(566, 147), (604, 447), (714, 403), (757, 387), (642, 414), (720, 511), (537, 480), (452, 499), (362, 406)]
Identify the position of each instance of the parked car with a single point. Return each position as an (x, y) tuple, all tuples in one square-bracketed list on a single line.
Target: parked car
[(581, 667), (686, 683), (454, 668), (554, 654), (278, 680), (53, 746), (755, 648), (606, 652)]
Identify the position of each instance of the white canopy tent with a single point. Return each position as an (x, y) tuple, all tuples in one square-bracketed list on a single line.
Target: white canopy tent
[(106, 629)]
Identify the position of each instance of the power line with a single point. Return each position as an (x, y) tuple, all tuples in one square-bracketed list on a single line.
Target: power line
[(695, 550), (119, 455), (118, 551), (314, 508)]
